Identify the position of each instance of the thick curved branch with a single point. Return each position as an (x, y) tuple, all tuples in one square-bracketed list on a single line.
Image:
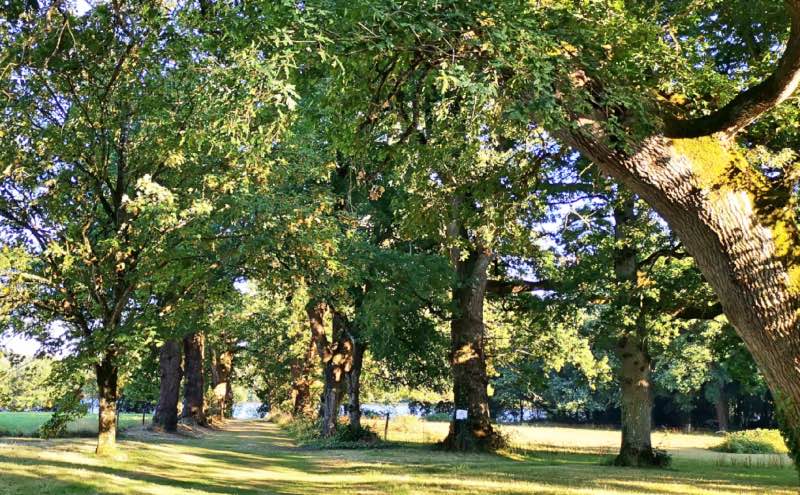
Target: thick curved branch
[(750, 104)]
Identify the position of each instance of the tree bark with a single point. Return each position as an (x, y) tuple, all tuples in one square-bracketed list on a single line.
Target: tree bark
[(302, 369), (744, 246), (107, 393), (637, 404), (468, 359), (194, 410), (739, 226), (337, 360), (221, 374), (354, 385), (634, 373), (169, 364)]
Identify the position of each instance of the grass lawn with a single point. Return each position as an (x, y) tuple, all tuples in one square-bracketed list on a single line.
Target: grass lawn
[(27, 423), (250, 457)]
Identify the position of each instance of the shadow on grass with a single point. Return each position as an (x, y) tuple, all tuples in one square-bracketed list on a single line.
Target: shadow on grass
[(257, 457)]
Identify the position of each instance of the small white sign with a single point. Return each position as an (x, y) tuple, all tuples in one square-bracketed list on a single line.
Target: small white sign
[(461, 414)]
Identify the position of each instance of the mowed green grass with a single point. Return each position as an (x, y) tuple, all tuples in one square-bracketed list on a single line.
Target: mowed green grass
[(27, 423), (250, 457)]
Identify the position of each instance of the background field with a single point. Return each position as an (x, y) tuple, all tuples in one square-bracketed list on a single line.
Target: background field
[(253, 457), (25, 424)]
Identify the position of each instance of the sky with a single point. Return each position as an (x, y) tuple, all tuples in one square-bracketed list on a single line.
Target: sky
[(19, 345)]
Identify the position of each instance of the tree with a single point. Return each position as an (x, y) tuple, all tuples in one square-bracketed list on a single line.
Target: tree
[(124, 136), (170, 375), (25, 383), (649, 107), (738, 223)]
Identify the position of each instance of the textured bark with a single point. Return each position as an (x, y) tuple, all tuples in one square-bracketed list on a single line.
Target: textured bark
[(337, 358), (637, 404), (732, 241), (634, 373), (354, 385), (169, 364), (736, 225), (467, 358), (302, 368), (332, 394), (107, 375), (194, 410), (221, 375)]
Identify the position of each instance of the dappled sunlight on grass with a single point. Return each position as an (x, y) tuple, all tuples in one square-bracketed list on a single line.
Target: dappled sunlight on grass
[(251, 457)]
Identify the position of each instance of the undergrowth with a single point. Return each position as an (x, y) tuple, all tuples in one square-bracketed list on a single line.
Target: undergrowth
[(307, 433), (759, 441)]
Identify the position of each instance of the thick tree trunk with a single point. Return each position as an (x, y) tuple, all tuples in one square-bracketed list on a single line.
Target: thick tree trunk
[(107, 375), (331, 400), (302, 368), (354, 386), (743, 240), (636, 402), (194, 411), (221, 374), (338, 360), (169, 364), (634, 373), (470, 427)]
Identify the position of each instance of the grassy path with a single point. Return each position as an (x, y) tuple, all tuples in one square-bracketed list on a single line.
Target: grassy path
[(250, 457)]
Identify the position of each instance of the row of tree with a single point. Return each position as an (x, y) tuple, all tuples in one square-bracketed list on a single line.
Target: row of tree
[(385, 168)]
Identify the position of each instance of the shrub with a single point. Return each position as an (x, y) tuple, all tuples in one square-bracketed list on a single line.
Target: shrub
[(307, 434), (303, 430), (757, 441), (279, 417)]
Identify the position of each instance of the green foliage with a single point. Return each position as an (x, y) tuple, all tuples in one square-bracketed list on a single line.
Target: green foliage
[(67, 381), (25, 384), (758, 441), (306, 432), (68, 409)]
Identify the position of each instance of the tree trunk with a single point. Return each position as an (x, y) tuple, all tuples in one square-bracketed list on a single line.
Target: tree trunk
[(722, 408), (107, 374), (221, 373), (686, 415), (302, 369), (634, 373), (169, 364), (331, 401), (636, 404), (338, 360), (470, 427), (743, 237), (194, 411), (354, 386)]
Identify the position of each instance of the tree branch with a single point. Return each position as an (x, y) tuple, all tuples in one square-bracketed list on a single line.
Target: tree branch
[(699, 312), (508, 287), (753, 102)]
